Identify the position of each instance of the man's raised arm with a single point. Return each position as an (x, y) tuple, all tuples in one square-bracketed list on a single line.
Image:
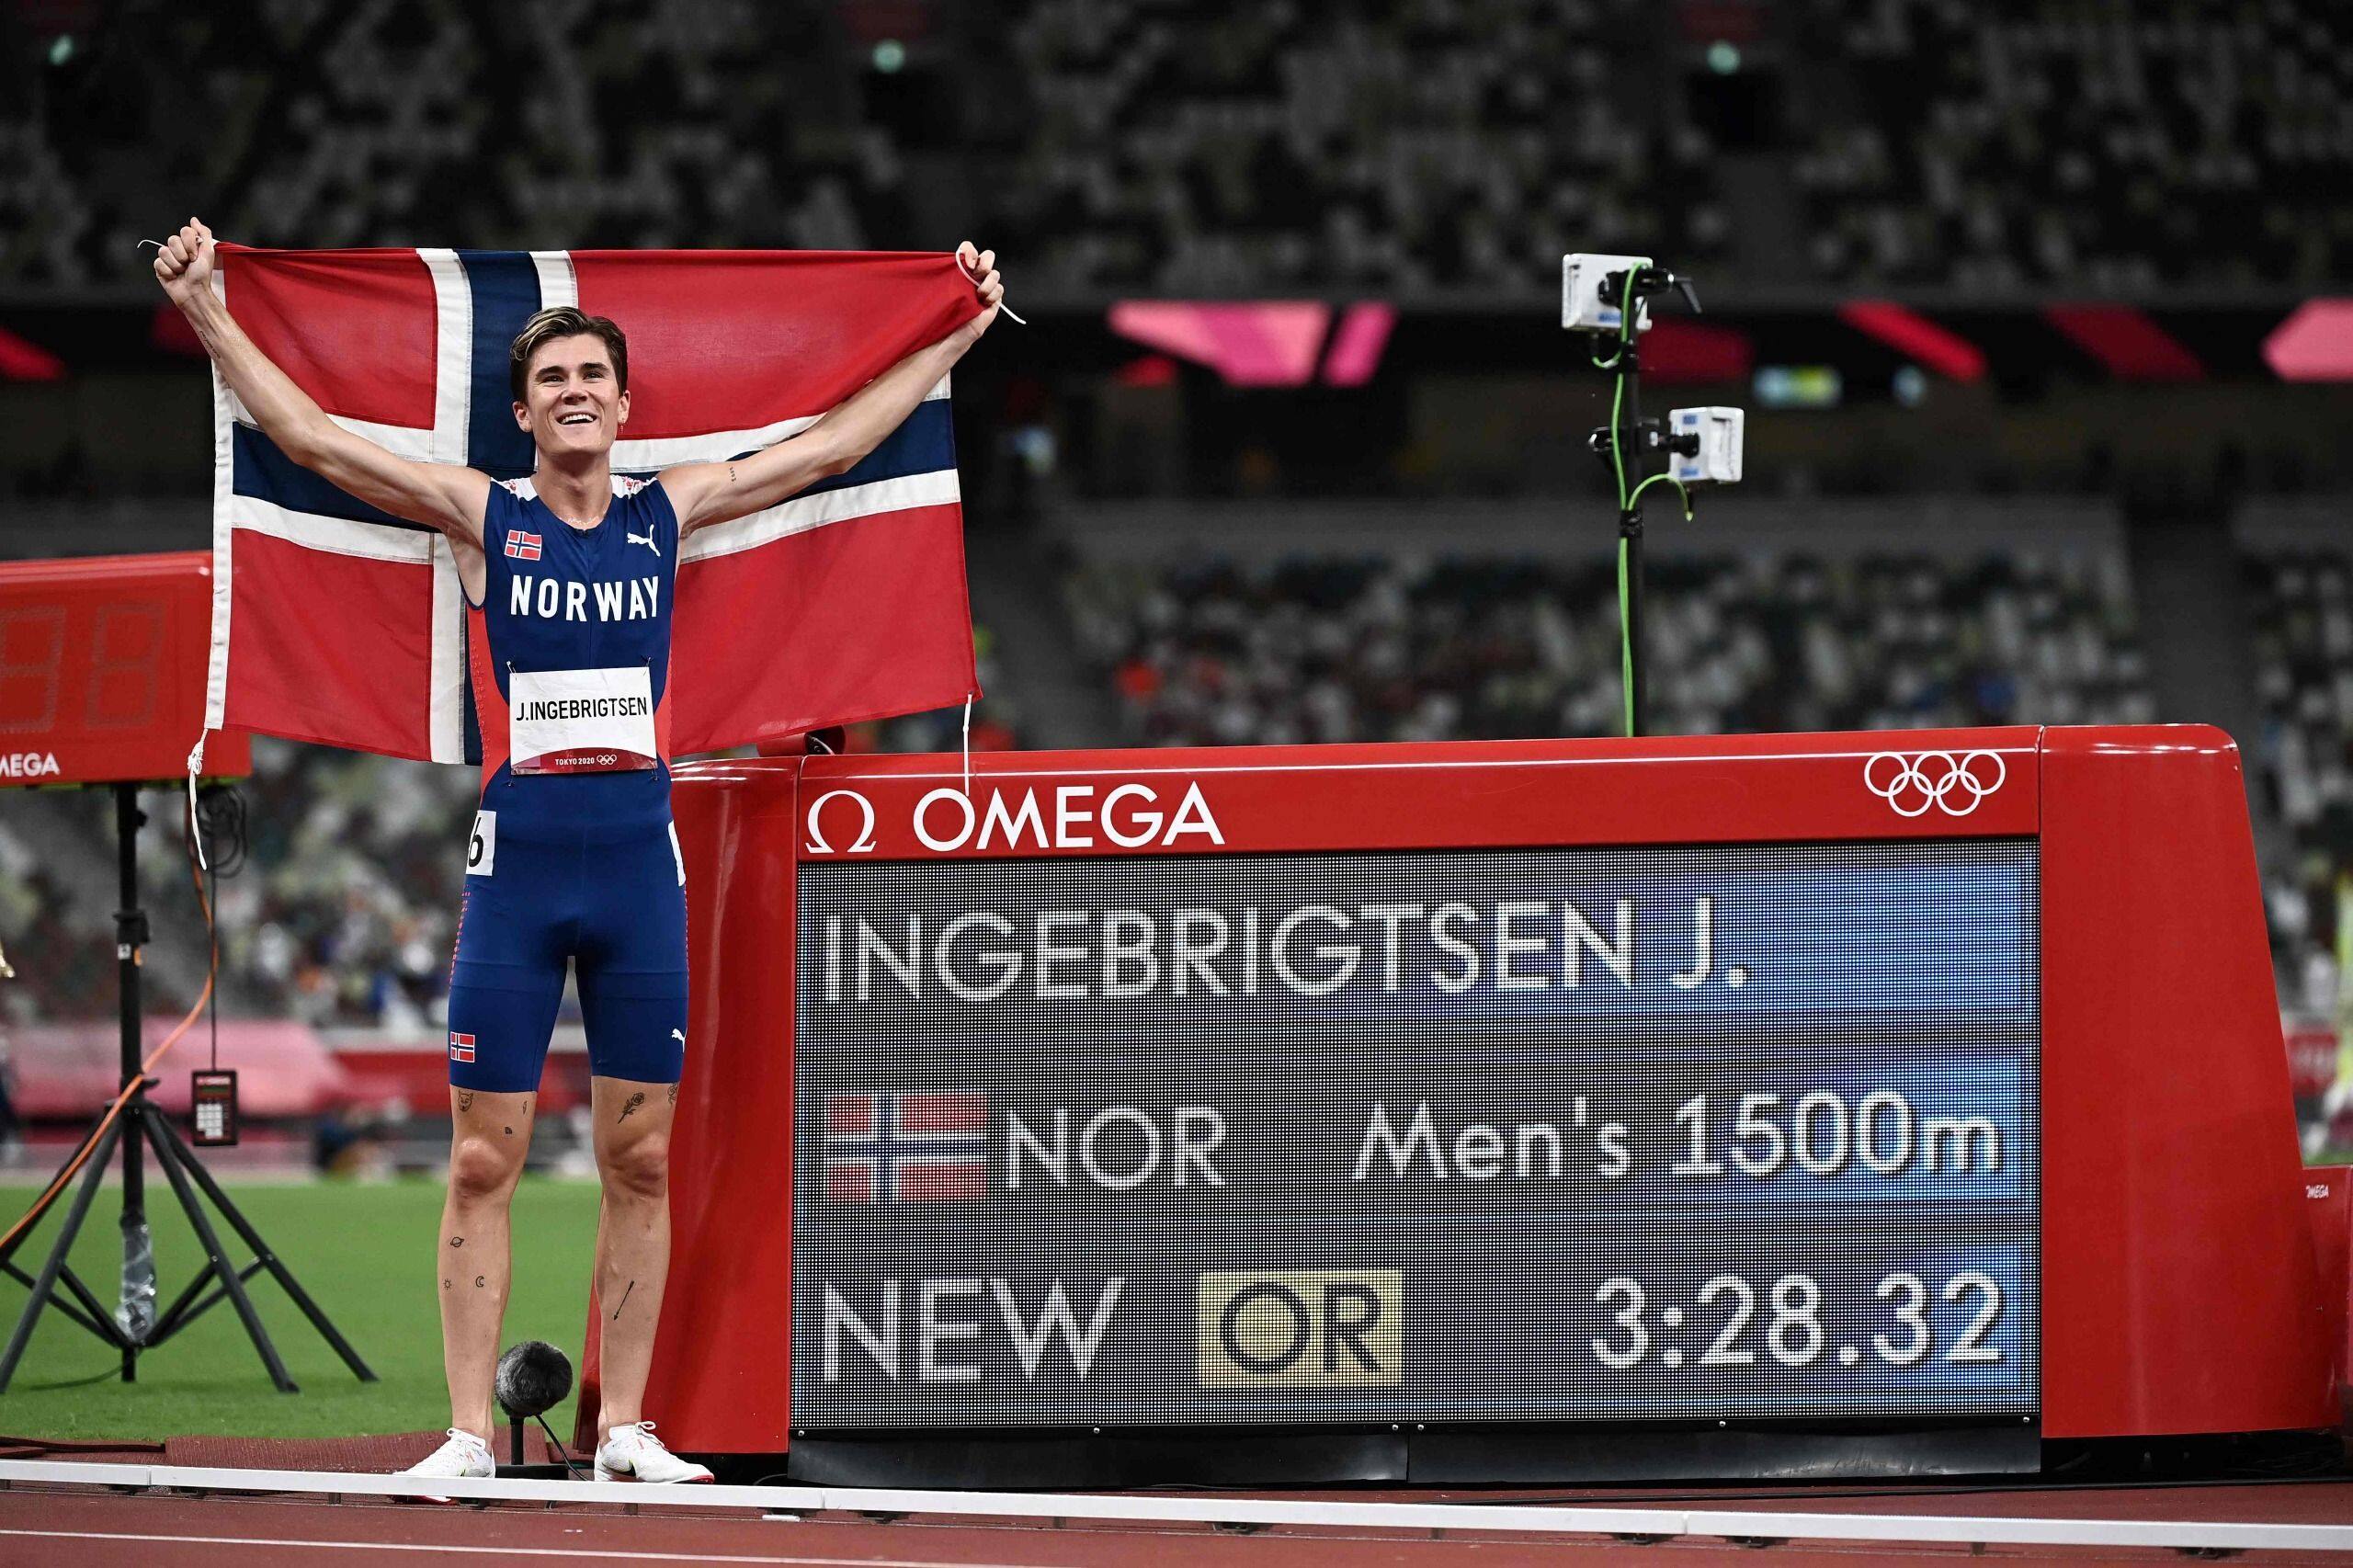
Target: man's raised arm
[(703, 494), (439, 495)]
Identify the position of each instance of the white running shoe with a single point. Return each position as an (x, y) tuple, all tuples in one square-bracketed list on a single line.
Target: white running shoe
[(634, 1452), (461, 1455)]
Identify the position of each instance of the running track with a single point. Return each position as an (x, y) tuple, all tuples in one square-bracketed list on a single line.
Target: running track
[(83, 1530)]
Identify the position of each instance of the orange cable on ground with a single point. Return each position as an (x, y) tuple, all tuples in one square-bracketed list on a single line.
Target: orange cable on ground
[(81, 1157)]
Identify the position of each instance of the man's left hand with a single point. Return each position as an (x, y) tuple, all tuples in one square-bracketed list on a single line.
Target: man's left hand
[(979, 266)]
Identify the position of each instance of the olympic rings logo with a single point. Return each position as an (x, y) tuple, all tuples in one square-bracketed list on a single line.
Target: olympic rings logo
[(1913, 785)]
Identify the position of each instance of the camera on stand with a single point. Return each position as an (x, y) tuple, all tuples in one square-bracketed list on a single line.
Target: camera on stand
[(1608, 300), (1593, 291), (1704, 444)]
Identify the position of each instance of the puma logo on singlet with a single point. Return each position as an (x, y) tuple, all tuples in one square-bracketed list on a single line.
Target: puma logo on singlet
[(646, 538)]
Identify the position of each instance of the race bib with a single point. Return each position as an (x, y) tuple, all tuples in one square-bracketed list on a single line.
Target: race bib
[(482, 850), (581, 721)]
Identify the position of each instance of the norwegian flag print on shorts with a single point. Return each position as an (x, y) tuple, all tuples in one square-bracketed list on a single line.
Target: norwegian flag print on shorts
[(462, 1047)]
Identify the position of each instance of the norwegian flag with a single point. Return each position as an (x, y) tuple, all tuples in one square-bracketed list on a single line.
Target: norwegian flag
[(462, 1047), (523, 545), (334, 622), (911, 1148)]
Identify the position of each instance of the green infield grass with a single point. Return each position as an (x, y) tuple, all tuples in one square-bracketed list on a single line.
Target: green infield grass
[(364, 1252)]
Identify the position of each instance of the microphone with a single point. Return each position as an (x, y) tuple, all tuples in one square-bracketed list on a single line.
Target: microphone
[(532, 1376)]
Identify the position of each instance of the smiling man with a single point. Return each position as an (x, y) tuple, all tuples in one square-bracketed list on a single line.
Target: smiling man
[(568, 578)]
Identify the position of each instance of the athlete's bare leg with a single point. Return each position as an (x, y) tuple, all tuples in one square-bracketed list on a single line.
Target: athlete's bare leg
[(632, 1237), (488, 1137)]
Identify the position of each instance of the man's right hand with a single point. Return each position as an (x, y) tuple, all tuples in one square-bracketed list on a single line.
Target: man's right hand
[(184, 266)]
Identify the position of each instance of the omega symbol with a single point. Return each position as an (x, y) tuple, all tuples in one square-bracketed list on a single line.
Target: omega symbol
[(863, 844)]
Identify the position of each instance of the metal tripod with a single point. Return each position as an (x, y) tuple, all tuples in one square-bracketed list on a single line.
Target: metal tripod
[(140, 1126)]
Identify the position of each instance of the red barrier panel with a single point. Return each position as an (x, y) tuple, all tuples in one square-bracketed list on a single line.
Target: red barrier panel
[(2180, 1293), (720, 1373)]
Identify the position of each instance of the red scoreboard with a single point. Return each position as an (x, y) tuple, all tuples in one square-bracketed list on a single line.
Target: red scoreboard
[(1862, 1104), (102, 670)]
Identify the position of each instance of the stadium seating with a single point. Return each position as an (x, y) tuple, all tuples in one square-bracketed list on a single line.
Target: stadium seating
[(2093, 143), (1335, 649), (2301, 605), (1408, 147), (1433, 144), (1446, 145)]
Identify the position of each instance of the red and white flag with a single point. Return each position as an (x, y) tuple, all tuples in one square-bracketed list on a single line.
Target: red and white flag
[(334, 622)]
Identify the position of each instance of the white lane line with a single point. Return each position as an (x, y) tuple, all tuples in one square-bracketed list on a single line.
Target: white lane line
[(575, 1553), (1546, 1519)]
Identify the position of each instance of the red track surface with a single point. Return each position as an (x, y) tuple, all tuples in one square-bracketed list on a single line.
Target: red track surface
[(74, 1529)]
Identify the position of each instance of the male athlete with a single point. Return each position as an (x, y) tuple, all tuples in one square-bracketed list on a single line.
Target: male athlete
[(568, 578)]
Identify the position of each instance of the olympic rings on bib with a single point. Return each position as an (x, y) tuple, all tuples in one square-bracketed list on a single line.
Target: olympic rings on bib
[(1938, 780)]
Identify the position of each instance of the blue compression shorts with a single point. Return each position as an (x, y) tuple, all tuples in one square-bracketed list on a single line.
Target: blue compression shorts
[(610, 900)]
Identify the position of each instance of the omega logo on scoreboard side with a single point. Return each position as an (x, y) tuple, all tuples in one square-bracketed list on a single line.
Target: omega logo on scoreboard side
[(1064, 816), (29, 765), (860, 810), (1328, 1328)]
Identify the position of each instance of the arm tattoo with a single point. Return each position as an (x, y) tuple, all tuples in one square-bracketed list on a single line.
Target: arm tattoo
[(625, 1295)]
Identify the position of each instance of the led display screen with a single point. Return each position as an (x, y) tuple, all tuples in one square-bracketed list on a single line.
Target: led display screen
[(1546, 1135)]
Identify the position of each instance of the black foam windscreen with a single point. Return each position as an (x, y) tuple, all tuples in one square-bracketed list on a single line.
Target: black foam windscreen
[(532, 1376)]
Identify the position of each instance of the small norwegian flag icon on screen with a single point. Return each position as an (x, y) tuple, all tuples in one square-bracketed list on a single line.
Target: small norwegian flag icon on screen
[(911, 1148), (462, 1047), (523, 546)]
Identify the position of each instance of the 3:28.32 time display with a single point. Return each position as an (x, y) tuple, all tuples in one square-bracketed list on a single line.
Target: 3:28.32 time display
[(1731, 1321)]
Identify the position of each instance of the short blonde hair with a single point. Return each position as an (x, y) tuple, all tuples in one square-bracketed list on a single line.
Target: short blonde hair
[(564, 321)]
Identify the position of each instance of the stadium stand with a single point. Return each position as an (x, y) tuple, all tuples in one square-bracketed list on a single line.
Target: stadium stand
[(2301, 592), (1423, 645), (1413, 146), (407, 123), (1442, 144), (2100, 144), (1418, 145)]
